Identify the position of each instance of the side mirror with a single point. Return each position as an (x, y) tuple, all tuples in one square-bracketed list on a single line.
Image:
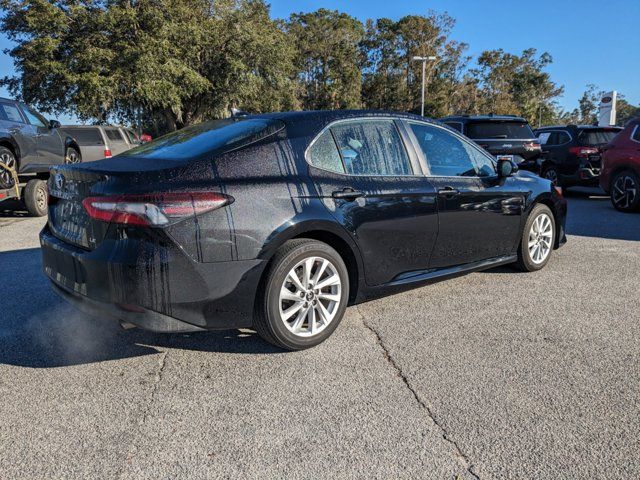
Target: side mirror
[(506, 168), (54, 124)]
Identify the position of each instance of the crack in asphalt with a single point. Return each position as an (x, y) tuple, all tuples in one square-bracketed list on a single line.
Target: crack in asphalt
[(145, 412), (461, 456)]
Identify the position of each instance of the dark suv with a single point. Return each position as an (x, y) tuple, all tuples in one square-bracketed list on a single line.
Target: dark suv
[(29, 145), (505, 136), (572, 154)]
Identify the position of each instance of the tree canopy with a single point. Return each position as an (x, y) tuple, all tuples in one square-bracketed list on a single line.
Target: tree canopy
[(171, 63)]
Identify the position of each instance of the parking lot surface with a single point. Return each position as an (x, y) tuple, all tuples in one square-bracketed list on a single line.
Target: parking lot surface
[(493, 375)]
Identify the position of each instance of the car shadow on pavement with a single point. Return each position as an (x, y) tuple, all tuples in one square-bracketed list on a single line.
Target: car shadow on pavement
[(39, 330)]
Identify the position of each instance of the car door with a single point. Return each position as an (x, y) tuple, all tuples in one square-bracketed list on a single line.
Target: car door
[(372, 184), (49, 143), (479, 214)]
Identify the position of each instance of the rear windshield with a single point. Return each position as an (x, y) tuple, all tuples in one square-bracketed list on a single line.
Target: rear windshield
[(85, 136), (498, 130), (595, 136), (114, 134), (211, 137)]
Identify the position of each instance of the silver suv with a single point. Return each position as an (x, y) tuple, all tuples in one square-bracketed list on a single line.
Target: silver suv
[(99, 141)]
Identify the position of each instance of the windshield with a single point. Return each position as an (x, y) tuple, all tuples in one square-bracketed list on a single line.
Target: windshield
[(216, 136), (596, 137), (499, 129)]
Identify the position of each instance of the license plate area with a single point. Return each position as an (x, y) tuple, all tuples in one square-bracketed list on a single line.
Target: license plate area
[(69, 221)]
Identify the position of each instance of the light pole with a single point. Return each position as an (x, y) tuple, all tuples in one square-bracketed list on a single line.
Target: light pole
[(424, 70)]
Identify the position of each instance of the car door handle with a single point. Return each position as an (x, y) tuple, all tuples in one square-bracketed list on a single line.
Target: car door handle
[(347, 194), (448, 191)]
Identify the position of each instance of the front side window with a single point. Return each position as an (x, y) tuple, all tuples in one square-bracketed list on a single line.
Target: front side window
[(34, 118), (544, 138), (636, 133), (449, 156), (324, 154), (372, 147)]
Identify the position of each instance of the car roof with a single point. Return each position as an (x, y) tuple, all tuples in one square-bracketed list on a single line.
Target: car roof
[(310, 122)]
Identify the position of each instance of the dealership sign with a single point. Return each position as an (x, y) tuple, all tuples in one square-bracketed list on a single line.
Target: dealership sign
[(607, 109)]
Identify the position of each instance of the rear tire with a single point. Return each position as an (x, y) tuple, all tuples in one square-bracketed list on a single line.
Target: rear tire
[(625, 191), (35, 197), (537, 239), (295, 314), (8, 158)]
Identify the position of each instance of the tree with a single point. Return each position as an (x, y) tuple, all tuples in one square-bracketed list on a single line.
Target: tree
[(517, 84), (392, 80), (175, 62), (327, 58)]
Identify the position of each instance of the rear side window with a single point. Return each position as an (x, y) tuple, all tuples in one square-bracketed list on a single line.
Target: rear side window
[(593, 137), (324, 154), (636, 134), (212, 137), (113, 134), (497, 130), (372, 147), (449, 156), (85, 136), (10, 112)]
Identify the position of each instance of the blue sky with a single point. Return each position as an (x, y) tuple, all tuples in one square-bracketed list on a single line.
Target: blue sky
[(590, 41)]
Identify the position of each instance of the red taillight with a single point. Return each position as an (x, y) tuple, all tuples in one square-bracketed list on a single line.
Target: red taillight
[(154, 210), (107, 153), (583, 151), (532, 146)]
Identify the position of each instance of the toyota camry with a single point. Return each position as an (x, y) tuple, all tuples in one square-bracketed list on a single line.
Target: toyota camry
[(278, 222)]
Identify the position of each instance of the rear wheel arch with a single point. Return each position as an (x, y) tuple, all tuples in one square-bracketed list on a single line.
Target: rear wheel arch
[(326, 234), (621, 168)]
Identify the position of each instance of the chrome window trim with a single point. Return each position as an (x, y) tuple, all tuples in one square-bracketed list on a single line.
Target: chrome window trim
[(393, 120), (460, 137)]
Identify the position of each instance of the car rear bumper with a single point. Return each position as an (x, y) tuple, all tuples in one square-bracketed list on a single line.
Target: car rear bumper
[(587, 177), (152, 285)]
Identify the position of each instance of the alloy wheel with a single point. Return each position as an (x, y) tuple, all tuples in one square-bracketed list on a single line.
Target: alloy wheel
[(310, 296), (540, 238), (5, 175), (624, 191)]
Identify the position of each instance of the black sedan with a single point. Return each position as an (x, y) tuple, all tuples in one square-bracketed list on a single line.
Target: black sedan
[(277, 222)]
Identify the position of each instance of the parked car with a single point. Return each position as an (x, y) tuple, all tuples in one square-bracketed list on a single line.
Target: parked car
[(505, 136), (278, 221), (29, 145), (620, 174), (101, 141), (572, 153)]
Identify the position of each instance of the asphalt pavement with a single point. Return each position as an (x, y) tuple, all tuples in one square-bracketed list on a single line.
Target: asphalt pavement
[(493, 375)]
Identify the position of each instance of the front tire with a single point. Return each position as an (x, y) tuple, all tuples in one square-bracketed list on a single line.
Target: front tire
[(35, 197), (305, 294), (625, 191), (538, 237)]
